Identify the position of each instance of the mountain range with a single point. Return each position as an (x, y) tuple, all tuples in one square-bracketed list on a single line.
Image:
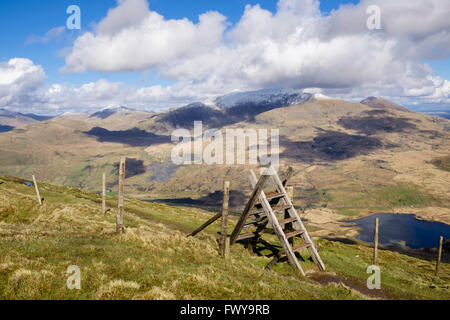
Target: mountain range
[(9, 119), (373, 153)]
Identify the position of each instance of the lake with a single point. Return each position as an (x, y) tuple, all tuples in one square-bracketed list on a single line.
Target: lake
[(399, 228)]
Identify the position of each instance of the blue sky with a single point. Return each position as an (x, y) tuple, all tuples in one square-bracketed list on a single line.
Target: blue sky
[(340, 26)]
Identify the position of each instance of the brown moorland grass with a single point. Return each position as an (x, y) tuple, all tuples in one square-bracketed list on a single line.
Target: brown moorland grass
[(155, 260)]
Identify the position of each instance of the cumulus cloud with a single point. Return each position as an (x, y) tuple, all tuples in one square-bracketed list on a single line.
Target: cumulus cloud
[(133, 38), (22, 89), (53, 33), (19, 78), (22, 94), (91, 96), (296, 47)]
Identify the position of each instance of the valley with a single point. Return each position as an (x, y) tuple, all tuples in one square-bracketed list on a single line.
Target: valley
[(345, 155)]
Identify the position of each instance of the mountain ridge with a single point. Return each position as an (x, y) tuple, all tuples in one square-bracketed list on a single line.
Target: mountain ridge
[(10, 119), (382, 103), (335, 136)]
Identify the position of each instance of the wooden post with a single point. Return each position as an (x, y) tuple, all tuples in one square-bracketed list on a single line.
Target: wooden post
[(119, 216), (439, 256), (37, 190), (375, 241), (227, 247), (290, 193), (104, 193), (288, 175), (225, 210), (289, 226)]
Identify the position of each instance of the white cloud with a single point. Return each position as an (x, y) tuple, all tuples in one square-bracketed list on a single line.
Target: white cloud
[(102, 93), (126, 14), (53, 33), (18, 80), (22, 89), (142, 40), (89, 97), (296, 47)]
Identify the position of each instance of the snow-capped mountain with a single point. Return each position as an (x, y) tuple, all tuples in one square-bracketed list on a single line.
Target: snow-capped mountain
[(267, 97), (234, 107)]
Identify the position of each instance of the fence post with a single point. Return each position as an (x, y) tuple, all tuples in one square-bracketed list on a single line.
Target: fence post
[(227, 247), (439, 256), (37, 190), (103, 193), (375, 242), (120, 209), (289, 226), (224, 240)]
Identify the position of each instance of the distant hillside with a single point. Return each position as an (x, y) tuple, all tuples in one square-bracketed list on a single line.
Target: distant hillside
[(378, 102), (356, 151), (106, 113), (442, 114), (9, 119)]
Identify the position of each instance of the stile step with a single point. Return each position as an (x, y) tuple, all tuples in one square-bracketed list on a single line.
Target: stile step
[(281, 209), (286, 221), (275, 196), (294, 233), (301, 246), (260, 213), (247, 236), (272, 197), (255, 223), (296, 248)]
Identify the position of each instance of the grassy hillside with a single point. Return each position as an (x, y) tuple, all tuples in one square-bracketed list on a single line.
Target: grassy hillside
[(155, 260)]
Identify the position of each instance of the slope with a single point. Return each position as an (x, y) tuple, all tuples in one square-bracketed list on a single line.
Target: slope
[(155, 260)]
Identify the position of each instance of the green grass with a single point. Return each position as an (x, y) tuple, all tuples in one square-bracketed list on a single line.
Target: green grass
[(155, 260), (403, 196), (382, 196)]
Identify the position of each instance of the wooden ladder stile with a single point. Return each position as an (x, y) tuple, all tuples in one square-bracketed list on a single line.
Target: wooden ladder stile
[(276, 226), (267, 215), (305, 236)]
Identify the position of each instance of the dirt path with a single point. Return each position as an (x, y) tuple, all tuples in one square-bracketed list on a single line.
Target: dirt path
[(326, 278)]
